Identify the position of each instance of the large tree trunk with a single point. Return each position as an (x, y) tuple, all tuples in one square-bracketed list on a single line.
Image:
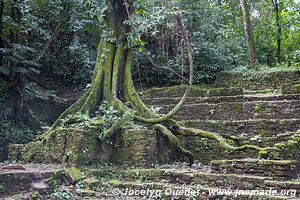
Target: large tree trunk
[(249, 34), (112, 81)]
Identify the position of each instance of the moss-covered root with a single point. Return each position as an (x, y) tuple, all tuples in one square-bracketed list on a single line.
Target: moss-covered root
[(72, 109), (221, 140), (113, 129), (174, 141)]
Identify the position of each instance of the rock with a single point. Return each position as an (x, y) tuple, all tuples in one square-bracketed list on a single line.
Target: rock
[(73, 174)]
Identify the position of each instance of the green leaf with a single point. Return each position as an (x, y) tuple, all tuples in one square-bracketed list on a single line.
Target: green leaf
[(21, 70), (24, 47), (5, 70), (5, 50), (30, 63), (34, 70)]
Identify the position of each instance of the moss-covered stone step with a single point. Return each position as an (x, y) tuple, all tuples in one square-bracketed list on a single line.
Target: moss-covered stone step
[(222, 179), (262, 91), (273, 168), (160, 190), (219, 99), (269, 141), (188, 177), (238, 110), (266, 80), (196, 91), (247, 128), (31, 178)]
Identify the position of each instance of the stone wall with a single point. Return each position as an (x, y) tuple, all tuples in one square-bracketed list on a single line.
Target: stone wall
[(139, 147)]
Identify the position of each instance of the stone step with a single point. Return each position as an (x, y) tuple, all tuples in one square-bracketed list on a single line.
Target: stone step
[(219, 99), (196, 91), (13, 179), (286, 169), (191, 177), (238, 110), (269, 141), (262, 91), (158, 190), (248, 128)]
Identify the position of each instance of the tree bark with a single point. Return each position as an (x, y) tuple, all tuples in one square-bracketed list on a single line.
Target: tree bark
[(276, 5), (249, 34), (1, 30)]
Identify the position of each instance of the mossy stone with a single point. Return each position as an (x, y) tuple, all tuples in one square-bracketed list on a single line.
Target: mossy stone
[(74, 174)]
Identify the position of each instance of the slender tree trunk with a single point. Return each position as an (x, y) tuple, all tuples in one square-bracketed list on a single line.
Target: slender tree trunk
[(249, 34), (17, 89), (1, 30), (276, 4)]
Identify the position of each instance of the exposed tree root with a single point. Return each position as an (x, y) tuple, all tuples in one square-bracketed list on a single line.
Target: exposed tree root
[(174, 141), (113, 129), (217, 137)]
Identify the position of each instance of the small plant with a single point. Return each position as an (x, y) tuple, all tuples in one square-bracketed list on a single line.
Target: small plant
[(80, 185), (62, 195)]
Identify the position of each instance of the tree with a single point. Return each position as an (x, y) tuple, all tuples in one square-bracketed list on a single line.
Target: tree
[(276, 5), (1, 30), (112, 87), (248, 33)]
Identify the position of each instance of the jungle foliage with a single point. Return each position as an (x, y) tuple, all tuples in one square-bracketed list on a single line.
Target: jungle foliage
[(60, 39)]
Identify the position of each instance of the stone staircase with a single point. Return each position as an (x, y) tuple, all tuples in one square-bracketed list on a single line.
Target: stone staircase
[(205, 181), (265, 116), (220, 181), (269, 116)]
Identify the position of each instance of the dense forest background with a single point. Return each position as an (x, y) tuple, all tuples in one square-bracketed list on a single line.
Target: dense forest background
[(54, 42), (51, 45)]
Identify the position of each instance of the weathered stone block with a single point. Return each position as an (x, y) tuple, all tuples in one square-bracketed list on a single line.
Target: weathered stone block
[(80, 147), (71, 146), (135, 147), (73, 174)]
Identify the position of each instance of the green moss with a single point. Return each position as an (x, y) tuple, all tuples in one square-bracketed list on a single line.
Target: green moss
[(257, 108), (114, 182), (74, 174), (262, 153)]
